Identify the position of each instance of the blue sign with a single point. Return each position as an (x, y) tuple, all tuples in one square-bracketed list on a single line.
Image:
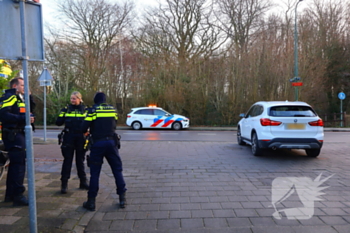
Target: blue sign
[(341, 95)]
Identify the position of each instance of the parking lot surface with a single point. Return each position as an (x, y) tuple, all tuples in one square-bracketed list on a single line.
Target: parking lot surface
[(178, 186)]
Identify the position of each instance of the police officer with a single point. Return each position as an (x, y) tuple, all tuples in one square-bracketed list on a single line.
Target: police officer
[(73, 140), (12, 116), (102, 120)]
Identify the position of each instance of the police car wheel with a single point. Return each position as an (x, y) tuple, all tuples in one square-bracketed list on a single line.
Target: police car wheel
[(136, 125), (176, 125)]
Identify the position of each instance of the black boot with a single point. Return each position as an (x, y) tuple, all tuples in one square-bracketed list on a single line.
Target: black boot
[(64, 186), (90, 204), (83, 184), (122, 200), (20, 201)]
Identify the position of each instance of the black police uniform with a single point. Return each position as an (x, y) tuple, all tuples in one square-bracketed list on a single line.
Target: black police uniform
[(73, 140), (102, 120), (12, 117)]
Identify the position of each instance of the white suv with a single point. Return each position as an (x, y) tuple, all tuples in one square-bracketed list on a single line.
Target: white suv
[(154, 117), (278, 124)]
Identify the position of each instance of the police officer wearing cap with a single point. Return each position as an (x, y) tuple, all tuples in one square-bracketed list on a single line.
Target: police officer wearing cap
[(102, 121), (12, 117), (73, 141)]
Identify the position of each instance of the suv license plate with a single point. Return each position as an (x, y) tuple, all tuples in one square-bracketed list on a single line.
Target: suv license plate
[(295, 126)]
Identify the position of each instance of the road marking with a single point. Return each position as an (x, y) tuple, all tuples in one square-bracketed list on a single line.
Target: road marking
[(209, 134), (170, 133)]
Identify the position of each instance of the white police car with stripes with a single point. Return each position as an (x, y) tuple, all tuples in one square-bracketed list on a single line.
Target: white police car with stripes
[(155, 117)]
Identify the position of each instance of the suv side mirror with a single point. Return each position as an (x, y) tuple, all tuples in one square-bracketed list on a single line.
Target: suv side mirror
[(242, 115)]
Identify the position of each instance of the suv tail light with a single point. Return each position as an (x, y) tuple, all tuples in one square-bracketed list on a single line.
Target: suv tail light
[(268, 122), (316, 123), (128, 116)]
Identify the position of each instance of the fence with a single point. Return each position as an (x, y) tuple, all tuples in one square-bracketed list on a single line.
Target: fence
[(335, 120)]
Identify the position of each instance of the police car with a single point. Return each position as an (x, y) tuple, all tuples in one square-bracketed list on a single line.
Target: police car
[(155, 117), (279, 124)]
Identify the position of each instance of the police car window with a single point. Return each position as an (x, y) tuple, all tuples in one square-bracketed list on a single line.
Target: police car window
[(159, 112), (144, 112)]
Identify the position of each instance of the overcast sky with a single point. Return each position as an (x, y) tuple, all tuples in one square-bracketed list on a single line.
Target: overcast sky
[(50, 12)]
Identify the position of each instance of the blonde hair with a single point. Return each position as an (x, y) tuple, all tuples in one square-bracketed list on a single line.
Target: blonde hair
[(78, 95)]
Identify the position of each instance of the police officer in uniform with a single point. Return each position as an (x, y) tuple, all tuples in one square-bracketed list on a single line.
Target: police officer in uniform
[(73, 141), (102, 120), (12, 117)]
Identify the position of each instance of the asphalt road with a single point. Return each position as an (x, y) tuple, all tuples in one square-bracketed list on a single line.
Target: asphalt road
[(189, 135), (160, 135)]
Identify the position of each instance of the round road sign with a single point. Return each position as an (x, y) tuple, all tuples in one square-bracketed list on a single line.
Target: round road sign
[(341, 95)]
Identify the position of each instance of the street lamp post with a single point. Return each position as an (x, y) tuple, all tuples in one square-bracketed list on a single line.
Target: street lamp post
[(296, 71)]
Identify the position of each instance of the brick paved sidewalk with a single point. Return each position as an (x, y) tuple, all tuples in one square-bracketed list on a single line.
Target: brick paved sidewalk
[(187, 187)]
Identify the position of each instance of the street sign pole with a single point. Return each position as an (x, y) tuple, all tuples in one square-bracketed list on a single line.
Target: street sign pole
[(28, 127), (341, 113), (44, 113), (45, 79), (341, 96), (21, 25)]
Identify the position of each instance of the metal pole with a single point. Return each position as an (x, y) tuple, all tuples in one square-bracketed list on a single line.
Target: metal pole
[(45, 112), (341, 113), (296, 70), (28, 127)]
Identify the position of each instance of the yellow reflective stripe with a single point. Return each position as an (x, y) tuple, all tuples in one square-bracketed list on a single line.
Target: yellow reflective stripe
[(21, 104), (9, 103), (100, 114), (75, 115), (10, 99), (88, 118), (61, 114), (105, 110)]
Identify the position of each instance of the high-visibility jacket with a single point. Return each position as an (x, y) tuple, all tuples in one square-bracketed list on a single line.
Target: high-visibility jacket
[(72, 116), (12, 111), (102, 121)]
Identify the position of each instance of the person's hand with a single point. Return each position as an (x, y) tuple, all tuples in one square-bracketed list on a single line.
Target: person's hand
[(32, 119)]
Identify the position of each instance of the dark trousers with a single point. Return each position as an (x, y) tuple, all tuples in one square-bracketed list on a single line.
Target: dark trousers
[(71, 144), (106, 149), (17, 167)]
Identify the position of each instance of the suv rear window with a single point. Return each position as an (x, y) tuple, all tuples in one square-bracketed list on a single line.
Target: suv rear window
[(292, 111)]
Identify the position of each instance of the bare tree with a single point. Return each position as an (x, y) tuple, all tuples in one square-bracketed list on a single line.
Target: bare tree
[(323, 27), (240, 18), (94, 27), (186, 28)]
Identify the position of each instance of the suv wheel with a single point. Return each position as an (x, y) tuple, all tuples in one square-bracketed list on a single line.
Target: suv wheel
[(176, 125), (136, 125), (239, 137), (312, 152), (256, 150)]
